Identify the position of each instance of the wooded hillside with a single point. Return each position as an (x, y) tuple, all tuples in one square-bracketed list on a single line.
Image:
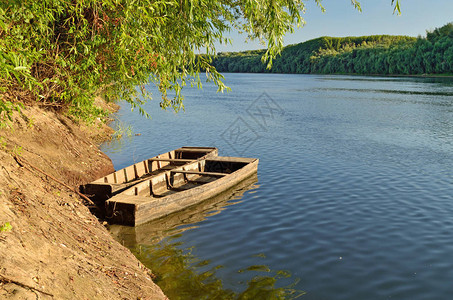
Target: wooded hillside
[(377, 54)]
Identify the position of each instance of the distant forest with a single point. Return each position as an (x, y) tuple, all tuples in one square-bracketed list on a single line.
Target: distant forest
[(367, 55)]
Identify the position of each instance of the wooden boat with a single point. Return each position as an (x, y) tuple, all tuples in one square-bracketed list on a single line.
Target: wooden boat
[(116, 182), (154, 231), (177, 189)]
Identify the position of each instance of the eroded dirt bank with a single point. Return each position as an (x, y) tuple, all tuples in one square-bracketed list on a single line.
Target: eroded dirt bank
[(55, 248)]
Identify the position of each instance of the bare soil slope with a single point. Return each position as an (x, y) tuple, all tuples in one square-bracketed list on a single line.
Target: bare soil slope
[(55, 248)]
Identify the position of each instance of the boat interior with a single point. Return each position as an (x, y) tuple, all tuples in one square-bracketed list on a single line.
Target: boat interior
[(156, 165), (185, 178)]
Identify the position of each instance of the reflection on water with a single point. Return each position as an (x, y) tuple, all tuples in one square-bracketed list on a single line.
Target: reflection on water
[(177, 276), (383, 91), (391, 79), (157, 245)]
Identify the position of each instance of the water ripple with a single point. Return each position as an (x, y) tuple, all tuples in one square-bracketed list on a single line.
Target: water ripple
[(355, 184)]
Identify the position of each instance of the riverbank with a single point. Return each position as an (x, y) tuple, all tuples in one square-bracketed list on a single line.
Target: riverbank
[(55, 248)]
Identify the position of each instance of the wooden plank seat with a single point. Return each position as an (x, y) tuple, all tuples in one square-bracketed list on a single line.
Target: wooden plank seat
[(215, 174), (172, 159)]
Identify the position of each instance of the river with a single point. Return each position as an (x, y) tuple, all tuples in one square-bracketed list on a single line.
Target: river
[(353, 197)]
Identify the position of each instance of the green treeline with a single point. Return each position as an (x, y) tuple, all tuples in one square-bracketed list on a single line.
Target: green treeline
[(378, 54)]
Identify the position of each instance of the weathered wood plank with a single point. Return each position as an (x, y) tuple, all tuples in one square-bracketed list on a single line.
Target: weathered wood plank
[(129, 172), (172, 159), (200, 173), (120, 176)]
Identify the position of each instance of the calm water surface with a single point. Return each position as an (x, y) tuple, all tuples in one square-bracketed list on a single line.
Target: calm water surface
[(354, 194)]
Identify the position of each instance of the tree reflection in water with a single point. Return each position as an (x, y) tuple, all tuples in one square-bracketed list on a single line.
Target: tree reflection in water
[(177, 270)]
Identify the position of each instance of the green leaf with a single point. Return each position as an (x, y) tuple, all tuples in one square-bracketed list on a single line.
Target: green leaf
[(20, 68)]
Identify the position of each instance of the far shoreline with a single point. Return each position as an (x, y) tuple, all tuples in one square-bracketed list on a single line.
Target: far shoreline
[(351, 74)]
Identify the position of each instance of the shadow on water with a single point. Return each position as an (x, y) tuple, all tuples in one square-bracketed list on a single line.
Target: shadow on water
[(180, 274)]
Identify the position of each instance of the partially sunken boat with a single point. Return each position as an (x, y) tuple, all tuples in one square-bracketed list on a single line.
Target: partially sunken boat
[(178, 188), (153, 232), (116, 182)]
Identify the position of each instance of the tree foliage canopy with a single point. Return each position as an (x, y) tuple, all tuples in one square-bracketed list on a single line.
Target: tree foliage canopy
[(61, 53)]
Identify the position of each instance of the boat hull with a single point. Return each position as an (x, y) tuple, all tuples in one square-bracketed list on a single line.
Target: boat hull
[(154, 231), (133, 208)]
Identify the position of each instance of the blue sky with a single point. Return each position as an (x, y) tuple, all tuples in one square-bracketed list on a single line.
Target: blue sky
[(341, 19)]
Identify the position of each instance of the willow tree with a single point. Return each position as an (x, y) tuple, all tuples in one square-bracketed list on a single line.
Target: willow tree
[(61, 53)]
